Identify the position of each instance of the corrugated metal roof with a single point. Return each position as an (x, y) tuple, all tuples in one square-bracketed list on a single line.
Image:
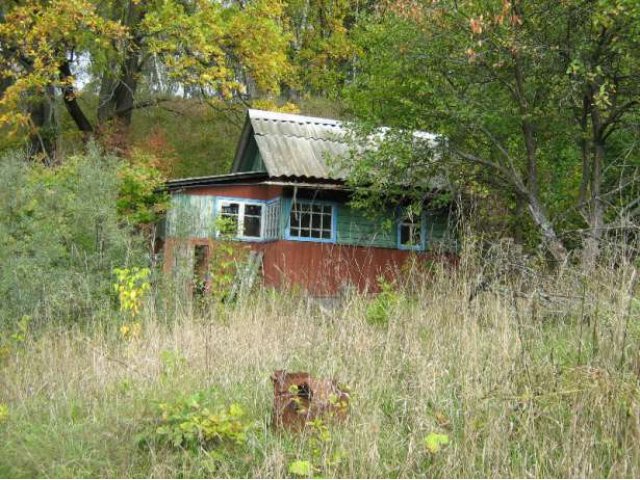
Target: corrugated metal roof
[(299, 146)]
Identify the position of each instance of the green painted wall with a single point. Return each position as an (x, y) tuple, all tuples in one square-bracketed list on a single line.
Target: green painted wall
[(440, 236), (193, 216), (355, 228), (252, 159)]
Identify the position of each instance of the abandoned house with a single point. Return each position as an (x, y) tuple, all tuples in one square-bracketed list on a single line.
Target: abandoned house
[(286, 205)]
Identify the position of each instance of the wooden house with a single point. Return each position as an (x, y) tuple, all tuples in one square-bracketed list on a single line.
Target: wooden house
[(284, 201)]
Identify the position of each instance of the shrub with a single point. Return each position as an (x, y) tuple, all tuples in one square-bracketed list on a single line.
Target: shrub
[(61, 236), (379, 309), (191, 423)]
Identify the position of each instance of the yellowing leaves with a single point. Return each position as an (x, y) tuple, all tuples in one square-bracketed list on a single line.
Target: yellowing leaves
[(434, 442), (4, 413), (131, 286)]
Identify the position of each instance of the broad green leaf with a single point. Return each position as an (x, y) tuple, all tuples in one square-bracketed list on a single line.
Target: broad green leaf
[(435, 441)]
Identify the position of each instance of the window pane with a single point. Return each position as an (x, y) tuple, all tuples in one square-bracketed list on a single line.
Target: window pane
[(230, 209), (253, 210), (310, 220), (405, 234), (251, 226), (229, 212), (409, 234)]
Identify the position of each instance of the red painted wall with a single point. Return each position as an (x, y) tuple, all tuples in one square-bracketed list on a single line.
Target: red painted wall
[(321, 269), (324, 268), (256, 192)]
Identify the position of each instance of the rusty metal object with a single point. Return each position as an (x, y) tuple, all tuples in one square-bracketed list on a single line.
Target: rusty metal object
[(300, 398)]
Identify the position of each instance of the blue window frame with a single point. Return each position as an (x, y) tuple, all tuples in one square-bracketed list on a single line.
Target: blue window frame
[(412, 231), (311, 221)]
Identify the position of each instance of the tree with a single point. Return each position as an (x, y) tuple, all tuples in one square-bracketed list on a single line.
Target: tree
[(321, 45), (495, 79), (38, 41), (200, 44)]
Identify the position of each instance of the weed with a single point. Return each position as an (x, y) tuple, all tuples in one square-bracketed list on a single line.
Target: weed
[(380, 309), (190, 423)]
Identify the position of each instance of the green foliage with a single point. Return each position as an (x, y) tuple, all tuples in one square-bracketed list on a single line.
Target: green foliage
[(519, 100), (172, 363), (435, 441), (192, 424), (320, 448), (140, 199), (4, 413), (380, 309), (61, 236), (301, 468), (186, 151)]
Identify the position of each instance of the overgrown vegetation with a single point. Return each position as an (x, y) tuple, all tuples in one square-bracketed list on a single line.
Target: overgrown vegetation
[(536, 375), (61, 236), (504, 365)]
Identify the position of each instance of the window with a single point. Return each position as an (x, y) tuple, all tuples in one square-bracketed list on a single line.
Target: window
[(245, 219), (410, 235), (254, 220), (311, 221)]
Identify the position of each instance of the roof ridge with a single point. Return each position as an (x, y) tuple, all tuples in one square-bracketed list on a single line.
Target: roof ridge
[(320, 139), (256, 114)]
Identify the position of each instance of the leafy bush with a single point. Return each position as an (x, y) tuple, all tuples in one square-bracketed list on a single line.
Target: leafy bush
[(140, 198), (61, 236), (379, 309), (190, 423)]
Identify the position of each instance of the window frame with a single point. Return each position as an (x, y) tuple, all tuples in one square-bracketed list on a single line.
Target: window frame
[(242, 203), (334, 221), (421, 221)]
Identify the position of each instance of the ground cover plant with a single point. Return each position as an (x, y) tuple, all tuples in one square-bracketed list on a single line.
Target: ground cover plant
[(500, 368)]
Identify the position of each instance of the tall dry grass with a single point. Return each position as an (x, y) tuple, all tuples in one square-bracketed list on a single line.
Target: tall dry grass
[(536, 375)]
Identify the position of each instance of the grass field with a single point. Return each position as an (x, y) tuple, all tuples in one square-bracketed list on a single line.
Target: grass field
[(536, 376)]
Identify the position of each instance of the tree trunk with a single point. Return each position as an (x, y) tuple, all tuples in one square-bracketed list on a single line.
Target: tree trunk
[(125, 91), (42, 139), (106, 106), (71, 101), (538, 213), (553, 243), (118, 90), (585, 153), (592, 243)]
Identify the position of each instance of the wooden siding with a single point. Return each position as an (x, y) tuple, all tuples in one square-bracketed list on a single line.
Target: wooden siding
[(355, 228), (256, 192), (192, 215), (326, 269), (440, 236), (321, 269)]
